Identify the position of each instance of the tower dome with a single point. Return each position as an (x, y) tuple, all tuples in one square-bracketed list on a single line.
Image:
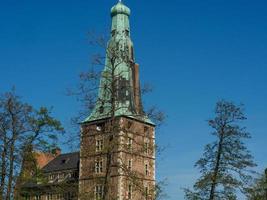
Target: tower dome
[(120, 8)]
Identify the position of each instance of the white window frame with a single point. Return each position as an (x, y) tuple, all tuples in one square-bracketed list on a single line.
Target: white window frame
[(99, 145), (130, 143), (98, 166), (99, 192)]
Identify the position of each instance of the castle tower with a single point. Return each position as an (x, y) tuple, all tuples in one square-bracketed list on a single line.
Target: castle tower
[(117, 158)]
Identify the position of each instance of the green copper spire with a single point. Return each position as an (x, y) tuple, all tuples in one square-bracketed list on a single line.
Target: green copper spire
[(119, 92), (120, 17)]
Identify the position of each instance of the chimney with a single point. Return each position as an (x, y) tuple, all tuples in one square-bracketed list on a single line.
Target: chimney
[(136, 86)]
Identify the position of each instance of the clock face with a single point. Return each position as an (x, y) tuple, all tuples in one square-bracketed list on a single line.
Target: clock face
[(98, 128)]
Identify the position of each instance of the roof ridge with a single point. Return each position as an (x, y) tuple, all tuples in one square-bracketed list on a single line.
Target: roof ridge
[(69, 153)]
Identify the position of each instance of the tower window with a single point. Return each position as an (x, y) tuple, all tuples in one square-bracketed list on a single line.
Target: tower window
[(146, 192), (130, 191), (122, 86), (130, 164), (130, 143), (146, 147), (98, 166), (99, 192), (99, 145), (146, 170), (129, 124), (145, 129)]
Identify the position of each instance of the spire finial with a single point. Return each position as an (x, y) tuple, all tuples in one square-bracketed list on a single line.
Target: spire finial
[(120, 1)]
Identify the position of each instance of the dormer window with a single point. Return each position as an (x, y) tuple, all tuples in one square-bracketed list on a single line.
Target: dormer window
[(64, 161), (113, 32), (127, 32), (101, 109)]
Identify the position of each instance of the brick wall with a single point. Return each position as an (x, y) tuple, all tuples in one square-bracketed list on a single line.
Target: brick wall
[(131, 143)]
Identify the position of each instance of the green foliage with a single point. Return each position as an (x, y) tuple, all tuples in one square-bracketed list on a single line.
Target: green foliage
[(225, 164), (44, 129), (257, 191), (23, 129)]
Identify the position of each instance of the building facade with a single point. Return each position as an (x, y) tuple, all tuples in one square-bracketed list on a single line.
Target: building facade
[(49, 176), (117, 153), (117, 164)]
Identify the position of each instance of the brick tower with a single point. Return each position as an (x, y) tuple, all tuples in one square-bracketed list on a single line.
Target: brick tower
[(117, 158)]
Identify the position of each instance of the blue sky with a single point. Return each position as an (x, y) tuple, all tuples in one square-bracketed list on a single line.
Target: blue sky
[(193, 52)]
